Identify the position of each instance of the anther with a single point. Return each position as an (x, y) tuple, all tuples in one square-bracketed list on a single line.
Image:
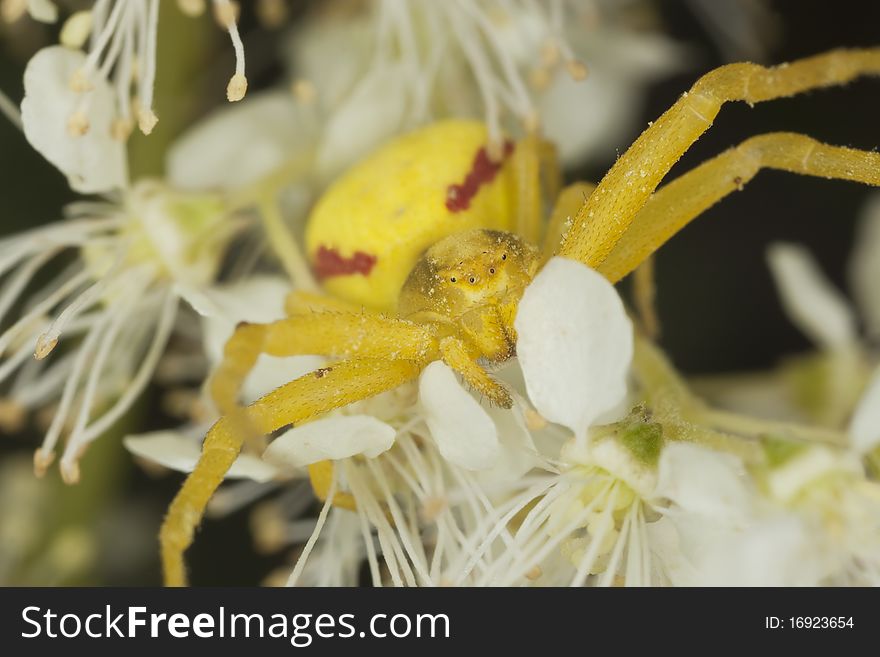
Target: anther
[(76, 30), (42, 461), (147, 120), (576, 69), (237, 88), (191, 7), (77, 124), (45, 345), (79, 82)]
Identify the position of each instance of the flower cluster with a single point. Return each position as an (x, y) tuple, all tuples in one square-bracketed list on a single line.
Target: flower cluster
[(608, 469)]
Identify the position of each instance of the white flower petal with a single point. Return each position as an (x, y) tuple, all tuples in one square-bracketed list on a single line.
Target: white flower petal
[(864, 430), (463, 431), (93, 162), (331, 438), (517, 454), (811, 302), (313, 52), (865, 266), (575, 344), (369, 115), (703, 482), (619, 63), (44, 11), (242, 142), (179, 453), (259, 299), (778, 552)]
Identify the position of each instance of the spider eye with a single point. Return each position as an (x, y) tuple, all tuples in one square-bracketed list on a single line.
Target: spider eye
[(491, 270), (452, 280), (472, 280), (504, 256)]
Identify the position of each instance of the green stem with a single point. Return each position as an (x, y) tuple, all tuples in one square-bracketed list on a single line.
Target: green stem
[(744, 424)]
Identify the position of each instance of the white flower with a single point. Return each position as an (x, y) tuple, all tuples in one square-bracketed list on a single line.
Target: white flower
[(819, 310), (259, 298), (238, 145), (825, 316), (865, 266), (222, 307), (463, 431), (72, 130), (814, 521), (121, 62), (118, 295), (621, 63), (167, 449), (331, 438), (864, 428), (586, 372), (575, 344), (409, 62), (44, 11)]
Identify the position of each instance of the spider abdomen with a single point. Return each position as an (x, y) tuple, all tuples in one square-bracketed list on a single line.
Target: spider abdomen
[(371, 226)]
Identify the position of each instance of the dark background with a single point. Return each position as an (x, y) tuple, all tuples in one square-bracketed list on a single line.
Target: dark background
[(717, 305)]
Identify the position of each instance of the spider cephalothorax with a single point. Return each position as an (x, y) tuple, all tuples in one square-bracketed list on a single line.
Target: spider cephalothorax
[(469, 283), (398, 227)]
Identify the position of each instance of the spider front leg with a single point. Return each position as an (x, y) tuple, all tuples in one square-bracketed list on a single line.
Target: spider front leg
[(301, 302), (566, 206), (457, 356), (605, 217), (686, 197), (334, 334), (395, 349), (537, 176), (305, 398)]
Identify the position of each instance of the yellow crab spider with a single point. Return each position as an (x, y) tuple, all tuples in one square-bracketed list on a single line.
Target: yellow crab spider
[(417, 246)]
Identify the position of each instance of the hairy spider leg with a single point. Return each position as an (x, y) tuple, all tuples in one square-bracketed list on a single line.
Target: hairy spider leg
[(677, 203), (302, 302), (537, 177), (463, 360), (395, 349), (607, 214), (526, 162), (305, 398), (645, 297), (566, 206)]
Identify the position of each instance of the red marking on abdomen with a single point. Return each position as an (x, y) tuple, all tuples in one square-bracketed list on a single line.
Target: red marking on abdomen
[(330, 263), (483, 171)]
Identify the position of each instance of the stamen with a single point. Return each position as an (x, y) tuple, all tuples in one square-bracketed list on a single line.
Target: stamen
[(35, 313), (12, 10), (13, 288), (12, 416), (226, 13), (413, 548), (162, 332), (33, 391), (192, 7), (77, 124), (69, 467), (46, 453), (10, 110), (310, 544), (576, 69), (102, 39), (76, 30), (304, 91), (600, 530), (272, 13), (147, 118), (48, 340)]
